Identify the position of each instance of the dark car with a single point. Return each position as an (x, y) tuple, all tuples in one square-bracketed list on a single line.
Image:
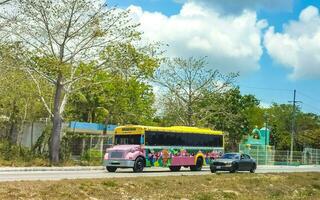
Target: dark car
[(233, 162)]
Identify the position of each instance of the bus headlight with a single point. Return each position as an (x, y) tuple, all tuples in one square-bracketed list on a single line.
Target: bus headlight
[(132, 150)]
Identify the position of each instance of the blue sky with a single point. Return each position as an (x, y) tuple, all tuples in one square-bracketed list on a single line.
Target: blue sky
[(268, 68)]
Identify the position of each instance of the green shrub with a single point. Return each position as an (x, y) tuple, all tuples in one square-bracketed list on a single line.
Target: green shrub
[(14, 155), (92, 157)]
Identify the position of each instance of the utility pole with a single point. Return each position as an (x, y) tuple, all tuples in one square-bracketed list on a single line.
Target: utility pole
[(265, 138), (293, 123)]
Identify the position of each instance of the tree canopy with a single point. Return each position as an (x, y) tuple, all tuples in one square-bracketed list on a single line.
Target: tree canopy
[(58, 38), (82, 60)]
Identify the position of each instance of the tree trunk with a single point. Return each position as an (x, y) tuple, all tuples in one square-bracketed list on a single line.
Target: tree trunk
[(13, 122), (189, 114), (13, 133), (234, 145), (57, 124)]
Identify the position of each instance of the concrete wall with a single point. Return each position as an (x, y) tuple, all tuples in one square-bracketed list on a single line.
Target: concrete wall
[(32, 131)]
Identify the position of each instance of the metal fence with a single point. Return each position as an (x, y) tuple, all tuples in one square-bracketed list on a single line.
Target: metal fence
[(89, 150), (267, 155), (311, 156)]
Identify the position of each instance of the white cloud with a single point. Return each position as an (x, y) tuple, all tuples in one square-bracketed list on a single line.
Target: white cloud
[(237, 6), (264, 105), (298, 46), (231, 43)]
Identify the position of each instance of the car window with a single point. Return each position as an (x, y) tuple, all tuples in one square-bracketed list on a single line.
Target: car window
[(230, 156), (246, 156)]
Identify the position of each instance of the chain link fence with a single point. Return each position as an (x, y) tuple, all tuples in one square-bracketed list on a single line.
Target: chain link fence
[(311, 156), (267, 155), (89, 150)]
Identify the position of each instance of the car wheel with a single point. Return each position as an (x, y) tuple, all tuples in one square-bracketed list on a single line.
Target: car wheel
[(138, 165), (111, 169), (175, 168), (234, 168), (213, 169), (198, 165), (253, 169)]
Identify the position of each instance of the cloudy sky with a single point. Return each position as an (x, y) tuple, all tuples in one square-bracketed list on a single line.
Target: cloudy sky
[(274, 44)]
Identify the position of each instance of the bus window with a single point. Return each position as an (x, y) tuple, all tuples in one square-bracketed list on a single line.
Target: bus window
[(182, 139), (127, 139)]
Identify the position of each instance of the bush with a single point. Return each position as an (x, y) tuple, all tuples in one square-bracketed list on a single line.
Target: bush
[(14, 155), (92, 157)]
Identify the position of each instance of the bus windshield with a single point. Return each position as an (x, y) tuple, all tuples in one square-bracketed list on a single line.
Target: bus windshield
[(127, 139)]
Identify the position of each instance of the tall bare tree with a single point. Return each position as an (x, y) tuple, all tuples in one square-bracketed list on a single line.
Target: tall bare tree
[(186, 80), (61, 37)]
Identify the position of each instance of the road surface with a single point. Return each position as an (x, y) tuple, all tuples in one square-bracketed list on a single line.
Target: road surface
[(121, 173)]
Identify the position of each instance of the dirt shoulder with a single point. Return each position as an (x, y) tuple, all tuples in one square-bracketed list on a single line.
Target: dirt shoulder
[(215, 186)]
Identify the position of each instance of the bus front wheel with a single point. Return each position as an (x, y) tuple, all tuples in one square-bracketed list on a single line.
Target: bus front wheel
[(198, 165), (111, 169), (138, 165)]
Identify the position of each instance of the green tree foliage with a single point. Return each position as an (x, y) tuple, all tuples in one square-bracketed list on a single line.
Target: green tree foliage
[(117, 101), (230, 111), (124, 95), (279, 120), (306, 127), (308, 131), (19, 102), (61, 35), (186, 81)]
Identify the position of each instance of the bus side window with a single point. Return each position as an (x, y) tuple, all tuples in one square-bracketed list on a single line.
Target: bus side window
[(142, 139)]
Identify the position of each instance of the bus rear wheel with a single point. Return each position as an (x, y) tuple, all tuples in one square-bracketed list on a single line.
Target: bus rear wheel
[(111, 169), (138, 165), (198, 165), (175, 168)]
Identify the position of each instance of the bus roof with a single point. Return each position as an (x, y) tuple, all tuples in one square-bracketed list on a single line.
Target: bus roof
[(176, 129)]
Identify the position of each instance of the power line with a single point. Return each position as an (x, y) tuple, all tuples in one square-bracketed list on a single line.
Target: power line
[(313, 107), (311, 98), (305, 95), (263, 88), (283, 90)]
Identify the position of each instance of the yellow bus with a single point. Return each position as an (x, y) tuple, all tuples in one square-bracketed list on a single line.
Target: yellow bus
[(138, 146)]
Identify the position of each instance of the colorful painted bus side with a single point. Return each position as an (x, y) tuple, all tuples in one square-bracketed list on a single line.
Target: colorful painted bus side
[(145, 146)]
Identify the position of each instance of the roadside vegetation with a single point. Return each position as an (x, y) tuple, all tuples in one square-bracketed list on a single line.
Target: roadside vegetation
[(19, 156), (87, 63), (218, 186)]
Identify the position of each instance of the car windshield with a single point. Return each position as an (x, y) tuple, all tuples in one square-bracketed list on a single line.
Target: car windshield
[(230, 156)]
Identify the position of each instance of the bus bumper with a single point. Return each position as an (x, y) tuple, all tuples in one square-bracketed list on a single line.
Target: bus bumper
[(119, 163)]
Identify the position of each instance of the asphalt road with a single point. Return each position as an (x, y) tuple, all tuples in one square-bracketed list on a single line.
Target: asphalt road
[(121, 173)]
